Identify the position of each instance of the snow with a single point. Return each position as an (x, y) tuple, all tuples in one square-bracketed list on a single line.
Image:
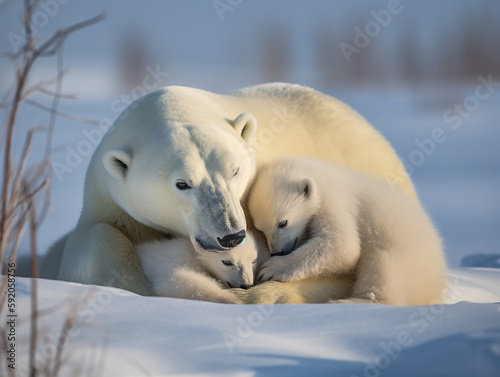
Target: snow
[(129, 335)]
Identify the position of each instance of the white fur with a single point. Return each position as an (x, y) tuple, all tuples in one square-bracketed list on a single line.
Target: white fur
[(179, 268), (346, 222), (213, 143)]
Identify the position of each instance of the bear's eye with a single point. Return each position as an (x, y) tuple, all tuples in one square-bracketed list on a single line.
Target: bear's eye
[(182, 185), (236, 172), (227, 263), (282, 224), (255, 260)]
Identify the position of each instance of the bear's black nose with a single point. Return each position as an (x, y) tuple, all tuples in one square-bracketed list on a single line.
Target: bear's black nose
[(241, 286), (232, 240)]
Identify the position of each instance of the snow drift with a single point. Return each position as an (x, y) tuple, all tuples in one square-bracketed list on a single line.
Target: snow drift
[(117, 333)]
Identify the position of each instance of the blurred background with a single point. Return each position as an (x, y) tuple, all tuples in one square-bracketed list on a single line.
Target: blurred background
[(415, 70)]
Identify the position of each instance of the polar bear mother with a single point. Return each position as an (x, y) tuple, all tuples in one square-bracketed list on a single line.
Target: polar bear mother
[(178, 161)]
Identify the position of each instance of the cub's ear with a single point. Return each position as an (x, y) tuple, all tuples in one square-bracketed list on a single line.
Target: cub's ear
[(307, 187), (116, 162), (245, 125)]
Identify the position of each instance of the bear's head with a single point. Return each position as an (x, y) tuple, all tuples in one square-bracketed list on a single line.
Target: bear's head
[(233, 268), (282, 203), (182, 168)]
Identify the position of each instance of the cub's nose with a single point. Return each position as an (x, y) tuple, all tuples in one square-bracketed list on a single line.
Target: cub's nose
[(232, 240), (241, 286)]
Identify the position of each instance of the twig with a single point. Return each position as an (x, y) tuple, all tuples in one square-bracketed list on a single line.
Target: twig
[(62, 114), (54, 94), (52, 124), (34, 293), (20, 170), (8, 150), (27, 195), (7, 94), (19, 234), (50, 47), (40, 85), (61, 342), (28, 15), (100, 363), (22, 184), (28, 55)]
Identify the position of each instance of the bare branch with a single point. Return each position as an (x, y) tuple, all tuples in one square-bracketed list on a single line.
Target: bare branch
[(20, 169), (31, 195), (8, 150), (39, 86), (18, 236), (21, 208), (61, 342), (29, 55), (47, 202), (62, 114), (55, 104), (50, 47), (100, 363), (42, 170), (54, 94), (19, 233), (34, 294), (28, 6), (8, 94), (21, 183)]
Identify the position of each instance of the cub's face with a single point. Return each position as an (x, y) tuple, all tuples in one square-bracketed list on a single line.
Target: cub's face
[(281, 206), (188, 179), (234, 268)]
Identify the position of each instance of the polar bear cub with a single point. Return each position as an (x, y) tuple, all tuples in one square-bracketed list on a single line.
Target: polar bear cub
[(181, 268), (321, 219)]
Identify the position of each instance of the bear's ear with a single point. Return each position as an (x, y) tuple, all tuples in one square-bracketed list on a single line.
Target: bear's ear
[(245, 125), (116, 162), (307, 187)]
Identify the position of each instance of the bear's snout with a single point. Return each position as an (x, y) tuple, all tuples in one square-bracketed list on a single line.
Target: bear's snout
[(241, 286), (232, 240), (288, 248)]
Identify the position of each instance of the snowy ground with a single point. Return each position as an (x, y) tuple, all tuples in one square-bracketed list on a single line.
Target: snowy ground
[(116, 333)]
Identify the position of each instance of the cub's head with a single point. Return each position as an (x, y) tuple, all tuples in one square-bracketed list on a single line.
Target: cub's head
[(233, 268), (174, 164), (282, 203)]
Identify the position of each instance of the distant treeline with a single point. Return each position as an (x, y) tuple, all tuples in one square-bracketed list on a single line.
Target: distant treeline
[(374, 50)]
